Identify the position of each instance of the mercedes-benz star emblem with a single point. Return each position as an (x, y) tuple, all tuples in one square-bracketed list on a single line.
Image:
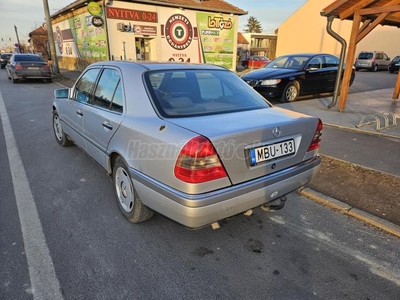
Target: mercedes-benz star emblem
[(276, 132)]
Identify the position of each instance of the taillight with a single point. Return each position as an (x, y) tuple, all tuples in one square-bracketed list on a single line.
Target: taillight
[(18, 67), (317, 137), (198, 162), (46, 67)]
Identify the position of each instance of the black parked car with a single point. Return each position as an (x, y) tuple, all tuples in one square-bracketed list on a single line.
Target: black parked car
[(290, 76), (4, 59), (394, 64)]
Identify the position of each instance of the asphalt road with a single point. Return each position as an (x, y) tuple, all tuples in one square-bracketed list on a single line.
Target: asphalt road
[(62, 236), (369, 81)]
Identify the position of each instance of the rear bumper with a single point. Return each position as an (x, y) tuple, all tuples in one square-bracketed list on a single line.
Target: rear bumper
[(32, 75), (196, 211), (366, 65)]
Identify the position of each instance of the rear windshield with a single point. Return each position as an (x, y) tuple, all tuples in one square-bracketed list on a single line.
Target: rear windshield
[(182, 93), (28, 58), (263, 58), (365, 55)]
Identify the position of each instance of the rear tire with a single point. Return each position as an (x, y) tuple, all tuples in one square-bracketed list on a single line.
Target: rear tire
[(127, 198), (291, 92)]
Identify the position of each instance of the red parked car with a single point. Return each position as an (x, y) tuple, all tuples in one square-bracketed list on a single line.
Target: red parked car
[(256, 62)]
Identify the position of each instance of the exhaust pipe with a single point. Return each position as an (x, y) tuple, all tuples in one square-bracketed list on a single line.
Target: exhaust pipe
[(273, 206)]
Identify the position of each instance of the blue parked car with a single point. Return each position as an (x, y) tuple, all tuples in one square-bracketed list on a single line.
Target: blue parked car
[(394, 64)]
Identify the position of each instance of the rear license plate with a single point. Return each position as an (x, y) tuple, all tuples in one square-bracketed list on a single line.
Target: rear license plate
[(270, 152), (33, 68)]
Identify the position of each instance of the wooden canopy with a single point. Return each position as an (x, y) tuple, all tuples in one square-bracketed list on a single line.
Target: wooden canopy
[(366, 15)]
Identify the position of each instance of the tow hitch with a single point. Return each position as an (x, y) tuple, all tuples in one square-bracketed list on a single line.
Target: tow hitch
[(275, 204)]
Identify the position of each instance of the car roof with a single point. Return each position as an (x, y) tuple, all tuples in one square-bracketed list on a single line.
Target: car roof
[(159, 65), (307, 54), (26, 54)]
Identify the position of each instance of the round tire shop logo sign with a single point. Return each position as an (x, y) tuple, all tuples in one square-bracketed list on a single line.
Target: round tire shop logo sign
[(179, 32)]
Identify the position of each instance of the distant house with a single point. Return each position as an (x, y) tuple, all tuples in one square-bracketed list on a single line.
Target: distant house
[(38, 40), (305, 31), (261, 44)]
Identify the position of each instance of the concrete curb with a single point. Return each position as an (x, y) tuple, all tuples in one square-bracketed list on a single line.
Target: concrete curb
[(352, 212), (359, 166), (377, 133)]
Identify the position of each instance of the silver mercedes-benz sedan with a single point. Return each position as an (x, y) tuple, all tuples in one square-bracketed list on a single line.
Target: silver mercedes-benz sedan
[(192, 142)]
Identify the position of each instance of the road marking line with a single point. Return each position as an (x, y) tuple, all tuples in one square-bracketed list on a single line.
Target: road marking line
[(45, 284)]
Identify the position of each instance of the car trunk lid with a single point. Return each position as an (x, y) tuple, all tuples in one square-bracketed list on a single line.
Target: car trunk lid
[(255, 143)]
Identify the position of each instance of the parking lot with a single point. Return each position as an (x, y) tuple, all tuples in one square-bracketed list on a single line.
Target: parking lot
[(369, 81)]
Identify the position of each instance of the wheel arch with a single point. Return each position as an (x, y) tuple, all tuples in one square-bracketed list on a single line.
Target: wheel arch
[(291, 83), (297, 83), (111, 161)]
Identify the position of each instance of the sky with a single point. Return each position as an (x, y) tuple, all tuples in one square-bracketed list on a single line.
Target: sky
[(27, 15)]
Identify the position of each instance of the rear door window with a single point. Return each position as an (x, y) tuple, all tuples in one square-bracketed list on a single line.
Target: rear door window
[(330, 62)]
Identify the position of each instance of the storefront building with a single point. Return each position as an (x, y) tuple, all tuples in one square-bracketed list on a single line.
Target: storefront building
[(195, 31)]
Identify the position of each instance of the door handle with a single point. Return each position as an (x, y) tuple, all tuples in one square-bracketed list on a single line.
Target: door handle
[(79, 112), (107, 125)]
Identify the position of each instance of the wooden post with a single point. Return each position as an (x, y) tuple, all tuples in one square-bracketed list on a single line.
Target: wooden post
[(397, 88), (344, 91)]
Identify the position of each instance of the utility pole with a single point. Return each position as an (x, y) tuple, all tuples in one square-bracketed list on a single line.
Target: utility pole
[(50, 35), (16, 33)]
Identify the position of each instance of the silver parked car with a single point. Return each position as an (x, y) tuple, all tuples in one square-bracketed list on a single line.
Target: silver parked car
[(372, 60), (194, 143)]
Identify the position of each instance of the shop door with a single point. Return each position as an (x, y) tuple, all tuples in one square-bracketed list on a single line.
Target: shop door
[(142, 48)]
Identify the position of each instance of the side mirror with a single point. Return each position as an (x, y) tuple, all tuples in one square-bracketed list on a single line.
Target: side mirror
[(61, 93)]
